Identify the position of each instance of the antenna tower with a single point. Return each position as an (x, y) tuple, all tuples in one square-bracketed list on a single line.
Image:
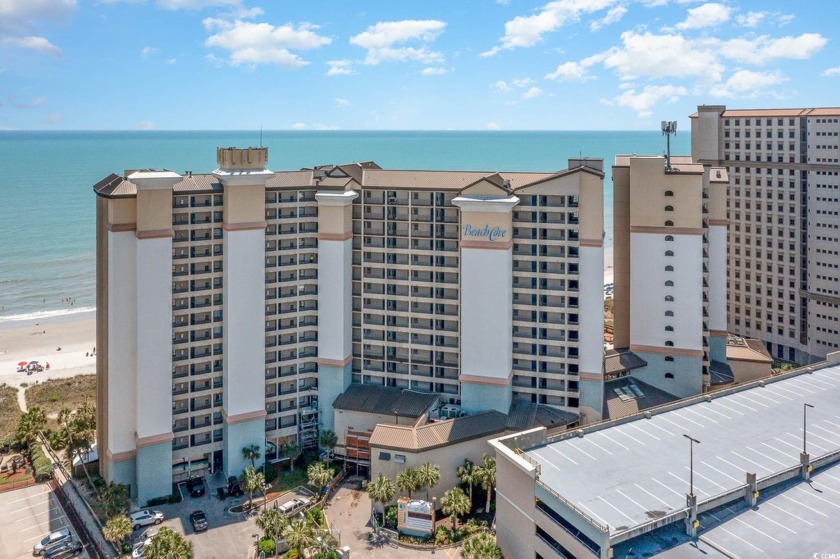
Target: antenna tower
[(668, 127)]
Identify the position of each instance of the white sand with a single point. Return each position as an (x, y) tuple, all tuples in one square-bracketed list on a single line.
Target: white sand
[(39, 342)]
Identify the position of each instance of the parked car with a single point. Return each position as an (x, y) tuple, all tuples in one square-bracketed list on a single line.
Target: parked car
[(234, 489), (198, 520), (145, 517), (51, 539), (295, 505), (68, 548), (137, 552), (196, 486)]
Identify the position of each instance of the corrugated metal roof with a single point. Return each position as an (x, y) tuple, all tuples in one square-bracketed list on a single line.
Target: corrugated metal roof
[(720, 373), (385, 401), (438, 433), (621, 398), (527, 415), (622, 360)]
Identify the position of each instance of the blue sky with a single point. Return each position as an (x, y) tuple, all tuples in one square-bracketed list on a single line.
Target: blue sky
[(422, 64)]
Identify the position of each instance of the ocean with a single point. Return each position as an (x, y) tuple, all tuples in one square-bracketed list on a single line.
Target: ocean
[(47, 210)]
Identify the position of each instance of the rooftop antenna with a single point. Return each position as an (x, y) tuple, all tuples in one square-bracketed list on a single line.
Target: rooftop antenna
[(668, 127)]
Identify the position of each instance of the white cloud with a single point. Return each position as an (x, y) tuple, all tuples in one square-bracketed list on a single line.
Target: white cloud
[(33, 103), (570, 72), (613, 16), (532, 93), (171, 61), (501, 85), (339, 102), (148, 51), (646, 100), (527, 31), (434, 71), (746, 83), (195, 4), (832, 72), (751, 19), (145, 125), (340, 68), (492, 126), (522, 82), (658, 56), (38, 44), (29, 10), (763, 49), (263, 43), (382, 39), (706, 15), (299, 126)]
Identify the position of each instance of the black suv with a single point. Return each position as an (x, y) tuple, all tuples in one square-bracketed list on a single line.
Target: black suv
[(196, 486)]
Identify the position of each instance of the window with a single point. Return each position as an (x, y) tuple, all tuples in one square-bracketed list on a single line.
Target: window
[(669, 253), (669, 343), (669, 193), (385, 456), (669, 328), (669, 268), (669, 283), (669, 223), (669, 238), (669, 208), (669, 313), (399, 458), (669, 375), (669, 358), (669, 298)]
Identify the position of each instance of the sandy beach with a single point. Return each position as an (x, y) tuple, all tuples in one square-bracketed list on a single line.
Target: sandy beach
[(39, 341)]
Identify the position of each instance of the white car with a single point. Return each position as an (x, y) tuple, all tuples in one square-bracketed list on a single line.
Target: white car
[(137, 552), (50, 539), (145, 517)]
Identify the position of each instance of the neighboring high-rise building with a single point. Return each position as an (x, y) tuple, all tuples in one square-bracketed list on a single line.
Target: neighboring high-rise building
[(783, 271), (234, 307), (670, 274)]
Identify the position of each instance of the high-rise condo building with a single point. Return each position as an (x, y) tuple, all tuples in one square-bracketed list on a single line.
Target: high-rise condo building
[(783, 268), (234, 307)]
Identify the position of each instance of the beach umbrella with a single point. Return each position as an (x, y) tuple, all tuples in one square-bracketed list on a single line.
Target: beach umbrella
[(22, 363), (33, 362)]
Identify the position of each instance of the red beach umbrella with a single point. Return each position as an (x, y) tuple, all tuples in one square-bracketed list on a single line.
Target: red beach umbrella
[(22, 363)]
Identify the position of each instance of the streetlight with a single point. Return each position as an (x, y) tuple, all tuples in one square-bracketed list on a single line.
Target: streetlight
[(805, 425), (691, 470)]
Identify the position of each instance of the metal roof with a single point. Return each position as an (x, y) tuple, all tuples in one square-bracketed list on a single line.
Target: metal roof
[(622, 360), (526, 415), (628, 395), (438, 433), (383, 400)]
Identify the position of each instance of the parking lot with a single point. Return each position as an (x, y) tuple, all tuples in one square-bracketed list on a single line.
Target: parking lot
[(29, 514), (229, 535)]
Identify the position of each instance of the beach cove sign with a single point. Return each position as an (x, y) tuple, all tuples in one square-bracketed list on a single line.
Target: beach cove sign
[(492, 233)]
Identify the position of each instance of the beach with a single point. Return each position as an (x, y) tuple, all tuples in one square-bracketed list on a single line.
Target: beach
[(39, 340)]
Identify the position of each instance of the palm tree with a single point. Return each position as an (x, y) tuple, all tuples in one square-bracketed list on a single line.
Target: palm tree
[(466, 475), (327, 440), (30, 424), (252, 453), (114, 497), (117, 529), (487, 477), (325, 544), (272, 522), (299, 534), (382, 490), (482, 546), (78, 430), (319, 476), (168, 544), (455, 503), (428, 476), (292, 450), (407, 481), (252, 480)]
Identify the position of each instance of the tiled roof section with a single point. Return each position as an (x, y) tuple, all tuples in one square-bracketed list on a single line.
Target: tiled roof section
[(443, 180), (438, 433), (720, 373), (197, 183), (114, 186), (622, 360), (385, 401), (293, 179), (621, 397), (527, 415), (746, 349)]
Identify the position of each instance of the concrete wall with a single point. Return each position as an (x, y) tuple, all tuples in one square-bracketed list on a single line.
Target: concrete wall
[(515, 500)]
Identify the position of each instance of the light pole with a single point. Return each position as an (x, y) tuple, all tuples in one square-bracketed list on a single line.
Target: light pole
[(691, 462), (805, 426)]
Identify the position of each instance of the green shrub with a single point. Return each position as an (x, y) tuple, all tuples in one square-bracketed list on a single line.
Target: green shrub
[(317, 515), (42, 468), (442, 536), (267, 546), (391, 517), (270, 474), (291, 554)]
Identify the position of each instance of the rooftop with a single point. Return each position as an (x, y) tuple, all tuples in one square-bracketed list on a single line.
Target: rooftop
[(608, 472), (383, 400), (628, 395)]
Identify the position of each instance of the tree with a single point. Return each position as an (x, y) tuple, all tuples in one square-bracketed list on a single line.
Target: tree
[(327, 440), (299, 534), (428, 476), (30, 424), (482, 546), (252, 453), (272, 522), (455, 503), (252, 480), (325, 545), (168, 544), (319, 476), (466, 475), (78, 431), (117, 529), (407, 481), (486, 474), (114, 497), (382, 490), (292, 450)]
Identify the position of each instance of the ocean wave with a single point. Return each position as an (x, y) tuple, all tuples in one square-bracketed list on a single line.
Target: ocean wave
[(45, 315)]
